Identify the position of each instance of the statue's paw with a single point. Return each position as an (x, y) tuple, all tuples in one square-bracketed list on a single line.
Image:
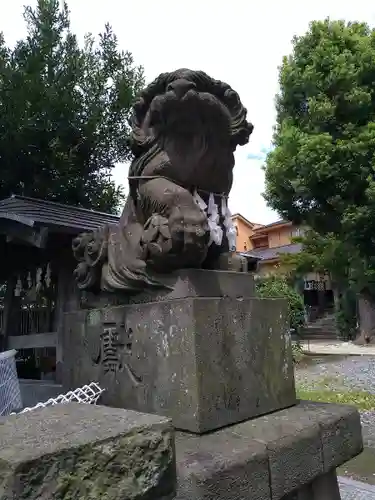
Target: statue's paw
[(230, 261), (178, 242), (190, 234), (156, 239)]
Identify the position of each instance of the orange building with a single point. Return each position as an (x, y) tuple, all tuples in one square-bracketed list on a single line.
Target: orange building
[(267, 242)]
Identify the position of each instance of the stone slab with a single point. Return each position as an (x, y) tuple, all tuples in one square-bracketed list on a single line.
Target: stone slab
[(323, 487), (267, 457), (84, 452), (340, 430), (204, 362), (182, 284), (221, 465)]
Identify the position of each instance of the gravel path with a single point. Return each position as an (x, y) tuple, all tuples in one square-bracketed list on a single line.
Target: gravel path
[(368, 428), (355, 372), (355, 490), (349, 373)]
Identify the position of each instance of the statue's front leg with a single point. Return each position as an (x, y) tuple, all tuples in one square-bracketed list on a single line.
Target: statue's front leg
[(176, 229), (222, 258)]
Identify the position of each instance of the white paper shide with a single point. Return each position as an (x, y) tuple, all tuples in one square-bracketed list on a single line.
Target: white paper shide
[(213, 217)]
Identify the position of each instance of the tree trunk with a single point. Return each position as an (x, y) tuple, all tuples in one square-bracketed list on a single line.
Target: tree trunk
[(336, 298), (366, 314)]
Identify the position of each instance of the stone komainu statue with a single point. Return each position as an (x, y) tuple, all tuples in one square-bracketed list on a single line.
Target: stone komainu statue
[(185, 129)]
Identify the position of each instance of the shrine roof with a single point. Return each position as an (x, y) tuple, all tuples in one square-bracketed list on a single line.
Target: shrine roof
[(274, 253), (57, 217)]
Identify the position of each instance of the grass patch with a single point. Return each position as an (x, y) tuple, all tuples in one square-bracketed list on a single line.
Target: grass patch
[(361, 468), (331, 389), (297, 352), (362, 400)]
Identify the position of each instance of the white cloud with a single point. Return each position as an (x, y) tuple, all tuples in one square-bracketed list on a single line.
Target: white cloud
[(240, 42)]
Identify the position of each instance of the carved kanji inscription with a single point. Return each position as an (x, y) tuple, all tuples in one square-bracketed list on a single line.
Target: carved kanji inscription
[(116, 350)]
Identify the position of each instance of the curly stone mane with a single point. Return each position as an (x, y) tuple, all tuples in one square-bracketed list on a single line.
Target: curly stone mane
[(144, 144), (240, 128)]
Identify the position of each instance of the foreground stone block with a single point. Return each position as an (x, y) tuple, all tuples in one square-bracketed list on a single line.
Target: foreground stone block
[(79, 451), (324, 487), (204, 362), (339, 430), (270, 457)]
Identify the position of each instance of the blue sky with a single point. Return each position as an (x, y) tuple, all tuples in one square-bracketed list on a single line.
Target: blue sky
[(240, 42)]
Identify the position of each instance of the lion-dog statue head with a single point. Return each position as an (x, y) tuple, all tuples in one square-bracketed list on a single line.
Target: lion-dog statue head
[(186, 125)]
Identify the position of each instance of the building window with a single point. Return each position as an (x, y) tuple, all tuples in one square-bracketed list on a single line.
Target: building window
[(315, 285)]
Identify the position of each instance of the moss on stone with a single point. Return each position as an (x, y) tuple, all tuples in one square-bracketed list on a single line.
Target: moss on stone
[(133, 466)]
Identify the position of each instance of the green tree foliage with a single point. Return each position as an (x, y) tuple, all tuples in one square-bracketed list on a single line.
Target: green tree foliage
[(277, 286), (319, 254), (64, 111), (321, 171), (346, 314), (326, 253)]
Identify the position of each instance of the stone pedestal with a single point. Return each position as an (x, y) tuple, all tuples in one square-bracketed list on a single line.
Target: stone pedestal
[(290, 455), (86, 452), (206, 354), (217, 361)]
